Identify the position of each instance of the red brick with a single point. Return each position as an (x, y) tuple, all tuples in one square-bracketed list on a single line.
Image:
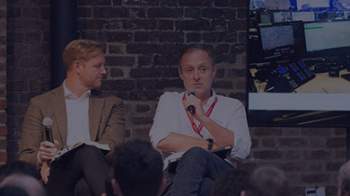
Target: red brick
[(316, 132), (315, 178), (268, 154), (292, 142), (3, 157), (291, 132), (2, 104), (293, 166), (3, 131), (339, 132), (269, 142), (336, 143), (267, 131), (334, 166), (340, 154), (317, 142), (292, 155), (318, 155)]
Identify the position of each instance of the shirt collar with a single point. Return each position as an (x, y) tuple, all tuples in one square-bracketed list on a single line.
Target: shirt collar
[(68, 94), (211, 98)]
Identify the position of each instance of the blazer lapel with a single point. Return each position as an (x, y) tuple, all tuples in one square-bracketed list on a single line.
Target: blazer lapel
[(60, 113), (95, 114)]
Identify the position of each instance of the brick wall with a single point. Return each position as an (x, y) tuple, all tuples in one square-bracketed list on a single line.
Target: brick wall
[(310, 156), (3, 58), (143, 38), (28, 70)]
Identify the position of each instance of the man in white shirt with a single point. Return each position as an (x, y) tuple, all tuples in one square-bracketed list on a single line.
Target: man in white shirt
[(196, 122), (77, 116)]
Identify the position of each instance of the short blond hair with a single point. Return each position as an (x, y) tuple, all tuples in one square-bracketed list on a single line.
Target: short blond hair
[(81, 49)]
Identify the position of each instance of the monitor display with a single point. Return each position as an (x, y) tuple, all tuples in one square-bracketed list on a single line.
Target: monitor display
[(277, 4), (312, 4), (282, 17), (282, 40), (269, 4), (303, 16), (276, 36), (287, 86), (334, 35)]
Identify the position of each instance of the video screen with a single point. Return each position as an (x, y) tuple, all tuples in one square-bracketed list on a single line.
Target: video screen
[(269, 4), (312, 4), (276, 36), (303, 16), (342, 4), (282, 16), (281, 41), (334, 34), (299, 65)]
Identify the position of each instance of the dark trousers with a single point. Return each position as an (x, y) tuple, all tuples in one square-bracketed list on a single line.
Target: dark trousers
[(87, 165), (196, 173)]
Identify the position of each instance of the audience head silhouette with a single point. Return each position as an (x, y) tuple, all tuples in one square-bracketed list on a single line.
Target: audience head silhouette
[(268, 181), (344, 180), (232, 183), (138, 169)]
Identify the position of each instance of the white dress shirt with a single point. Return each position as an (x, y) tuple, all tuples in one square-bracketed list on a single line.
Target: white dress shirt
[(78, 129), (228, 112)]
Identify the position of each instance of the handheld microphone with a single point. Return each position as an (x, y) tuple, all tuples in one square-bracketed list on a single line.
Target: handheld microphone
[(191, 109), (45, 168), (47, 122)]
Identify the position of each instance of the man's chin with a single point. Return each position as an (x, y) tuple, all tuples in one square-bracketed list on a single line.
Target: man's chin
[(196, 91), (97, 86), (199, 92)]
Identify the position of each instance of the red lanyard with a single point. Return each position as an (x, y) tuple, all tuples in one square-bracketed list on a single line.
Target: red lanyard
[(199, 128)]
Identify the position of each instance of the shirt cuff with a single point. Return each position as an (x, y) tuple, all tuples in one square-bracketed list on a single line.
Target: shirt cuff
[(156, 138)]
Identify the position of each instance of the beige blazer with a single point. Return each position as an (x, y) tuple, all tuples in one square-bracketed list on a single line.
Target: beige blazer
[(106, 121)]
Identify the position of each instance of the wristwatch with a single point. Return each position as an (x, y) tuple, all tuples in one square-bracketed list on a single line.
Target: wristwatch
[(210, 143)]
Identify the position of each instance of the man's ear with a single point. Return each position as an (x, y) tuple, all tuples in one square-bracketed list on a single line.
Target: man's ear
[(116, 188), (179, 70), (214, 70), (74, 66)]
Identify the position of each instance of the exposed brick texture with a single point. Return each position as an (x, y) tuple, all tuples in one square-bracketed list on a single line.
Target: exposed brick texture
[(310, 156), (28, 68), (143, 40), (3, 75)]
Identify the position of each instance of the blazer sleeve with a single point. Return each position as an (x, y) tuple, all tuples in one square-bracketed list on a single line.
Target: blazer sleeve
[(31, 134), (113, 130)]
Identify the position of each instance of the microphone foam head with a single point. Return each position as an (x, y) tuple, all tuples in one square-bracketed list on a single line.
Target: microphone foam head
[(47, 122)]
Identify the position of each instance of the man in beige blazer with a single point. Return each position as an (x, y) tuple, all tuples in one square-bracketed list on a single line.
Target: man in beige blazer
[(77, 116)]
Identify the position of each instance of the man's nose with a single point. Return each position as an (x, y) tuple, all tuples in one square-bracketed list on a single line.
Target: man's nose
[(103, 70), (196, 75)]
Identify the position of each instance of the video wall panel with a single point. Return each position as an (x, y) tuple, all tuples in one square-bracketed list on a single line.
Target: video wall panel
[(299, 63)]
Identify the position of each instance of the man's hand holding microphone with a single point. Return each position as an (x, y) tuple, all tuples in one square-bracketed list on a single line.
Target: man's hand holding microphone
[(47, 150)]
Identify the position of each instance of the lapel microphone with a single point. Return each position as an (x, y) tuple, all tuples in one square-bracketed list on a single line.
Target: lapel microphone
[(191, 109), (47, 122)]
